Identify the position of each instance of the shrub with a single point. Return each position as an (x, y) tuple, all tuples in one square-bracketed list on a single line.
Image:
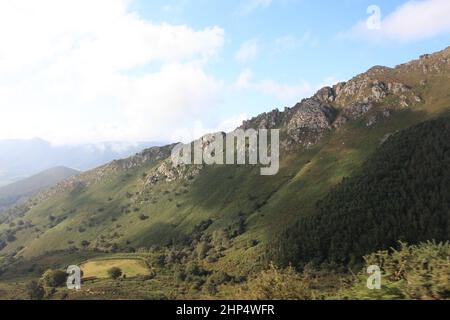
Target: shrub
[(252, 243), (11, 237), (54, 278), (151, 275), (420, 271), (180, 276), (210, 288), (35, 291), (202, 249), (114, 272), (195, 270), (221, 239), (219, 278), (161, 261), (279, 284), (85, 243)]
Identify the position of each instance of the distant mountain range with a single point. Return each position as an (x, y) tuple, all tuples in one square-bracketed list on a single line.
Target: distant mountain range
[(21, 190), (20, 159)]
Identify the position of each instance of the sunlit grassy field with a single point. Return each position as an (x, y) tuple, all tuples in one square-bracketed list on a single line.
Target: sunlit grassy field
[(129, 267)]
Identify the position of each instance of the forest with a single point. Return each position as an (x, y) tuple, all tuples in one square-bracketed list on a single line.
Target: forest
[(402, 193)]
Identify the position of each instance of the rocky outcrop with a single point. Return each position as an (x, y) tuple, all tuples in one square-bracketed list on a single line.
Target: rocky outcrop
[(365, 90), (266, 120), (308, 121), (429, 64)]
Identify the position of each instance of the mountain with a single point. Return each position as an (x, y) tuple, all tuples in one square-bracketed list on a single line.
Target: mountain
[(196, 221), (19, 191), (22, 158)]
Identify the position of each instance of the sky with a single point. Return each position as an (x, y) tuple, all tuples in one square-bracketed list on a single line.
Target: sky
[(77, 71)]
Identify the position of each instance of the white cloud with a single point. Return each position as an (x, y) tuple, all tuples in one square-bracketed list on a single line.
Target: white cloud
[(191, 133), (414, 20), (248, 51), (232, 123), (68, 72), (249, 6), (284, 92)]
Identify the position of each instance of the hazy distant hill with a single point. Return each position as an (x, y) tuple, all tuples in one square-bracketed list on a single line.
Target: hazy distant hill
[(20, 159), (20, 190)]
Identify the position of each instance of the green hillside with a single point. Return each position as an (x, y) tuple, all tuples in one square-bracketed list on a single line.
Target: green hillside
[(223, 218)]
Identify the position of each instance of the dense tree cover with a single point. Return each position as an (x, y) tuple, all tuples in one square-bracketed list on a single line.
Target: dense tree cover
[(401, 193)]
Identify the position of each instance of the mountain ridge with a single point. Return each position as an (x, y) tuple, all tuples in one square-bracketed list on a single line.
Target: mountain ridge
[(20, 190), (23, 158), (327, 109), (143, 201)]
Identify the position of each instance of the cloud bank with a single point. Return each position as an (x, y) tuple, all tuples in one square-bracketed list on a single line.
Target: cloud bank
[(79, 70), (413, 21)]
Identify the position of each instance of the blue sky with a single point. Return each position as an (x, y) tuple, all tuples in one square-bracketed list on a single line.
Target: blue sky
[(170, 70)]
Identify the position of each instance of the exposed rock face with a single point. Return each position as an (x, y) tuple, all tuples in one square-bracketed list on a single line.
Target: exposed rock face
[(147, 156), (308, 121), (437, 63), (366, 89), (331, 107), (357, 110), (266, 120), (167, 172), (327, 94)]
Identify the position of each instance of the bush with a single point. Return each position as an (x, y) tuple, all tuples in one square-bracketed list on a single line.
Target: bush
[(85, 243), (219, 278), (161, 261), (180, 276), (114, 272), (420, 271), (11, 237), (221, 239), (35, 291), (54, 278), (202, 250), (210, 288), (252, 243), (195, 270), (279, 284), (150, 276)]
